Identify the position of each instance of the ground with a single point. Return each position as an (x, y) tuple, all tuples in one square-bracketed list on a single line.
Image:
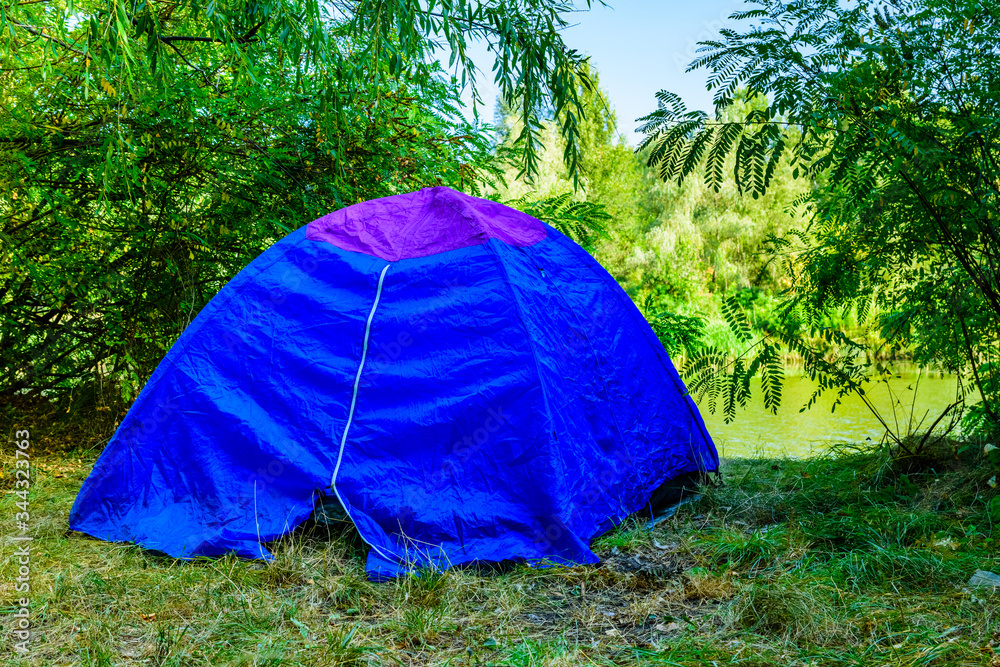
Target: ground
[(837, 560)]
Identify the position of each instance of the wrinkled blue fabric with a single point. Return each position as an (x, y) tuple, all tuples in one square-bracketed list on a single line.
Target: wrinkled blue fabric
[(513, 404)]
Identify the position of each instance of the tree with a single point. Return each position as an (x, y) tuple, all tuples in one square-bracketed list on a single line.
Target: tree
[(604, 194), (670, 247), (348, 47), (149, 151), (113, 239), (695, 241), (895, 102)]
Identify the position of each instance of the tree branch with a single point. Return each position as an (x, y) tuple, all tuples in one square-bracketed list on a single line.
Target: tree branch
[(38, 32), (245, 39)]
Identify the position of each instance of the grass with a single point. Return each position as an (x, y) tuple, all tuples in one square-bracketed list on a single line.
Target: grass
[(837, 560)]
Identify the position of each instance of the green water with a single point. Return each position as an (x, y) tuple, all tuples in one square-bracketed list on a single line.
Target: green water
[(756, 432)]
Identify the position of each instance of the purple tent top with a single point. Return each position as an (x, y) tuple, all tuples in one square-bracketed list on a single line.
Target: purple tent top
[(423, 223)]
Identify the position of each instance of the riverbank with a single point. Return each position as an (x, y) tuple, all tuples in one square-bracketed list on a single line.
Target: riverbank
[(832, 560), (908, 401)]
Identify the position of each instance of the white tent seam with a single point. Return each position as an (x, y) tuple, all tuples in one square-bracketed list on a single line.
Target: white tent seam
[(354, 401)]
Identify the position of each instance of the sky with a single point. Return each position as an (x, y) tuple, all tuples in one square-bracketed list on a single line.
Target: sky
[(638, 47)]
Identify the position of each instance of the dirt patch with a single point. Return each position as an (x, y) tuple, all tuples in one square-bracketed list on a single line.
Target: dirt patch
[(640, 598)]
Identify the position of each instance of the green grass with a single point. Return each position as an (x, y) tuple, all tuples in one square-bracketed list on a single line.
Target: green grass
[(838, 560)]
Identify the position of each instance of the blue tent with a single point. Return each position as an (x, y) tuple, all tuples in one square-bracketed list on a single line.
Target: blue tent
[(465, 380)]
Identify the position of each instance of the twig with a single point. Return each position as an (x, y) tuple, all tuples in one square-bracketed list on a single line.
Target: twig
[(245, 39), (194, 67), (930, 430), (41, 33)]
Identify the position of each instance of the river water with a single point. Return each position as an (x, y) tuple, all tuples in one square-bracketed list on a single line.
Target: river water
[(756, 432)]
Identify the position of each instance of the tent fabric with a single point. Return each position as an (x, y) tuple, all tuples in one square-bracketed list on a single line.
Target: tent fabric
[(480, 385)]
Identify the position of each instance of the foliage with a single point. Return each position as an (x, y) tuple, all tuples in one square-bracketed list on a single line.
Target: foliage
[(679, 244), (679, 334), (347, 48), (150, 151), (894, 104), (582, 221), (607, 171), (689, 245), (977, 418), (715, 374), (124, 211)]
